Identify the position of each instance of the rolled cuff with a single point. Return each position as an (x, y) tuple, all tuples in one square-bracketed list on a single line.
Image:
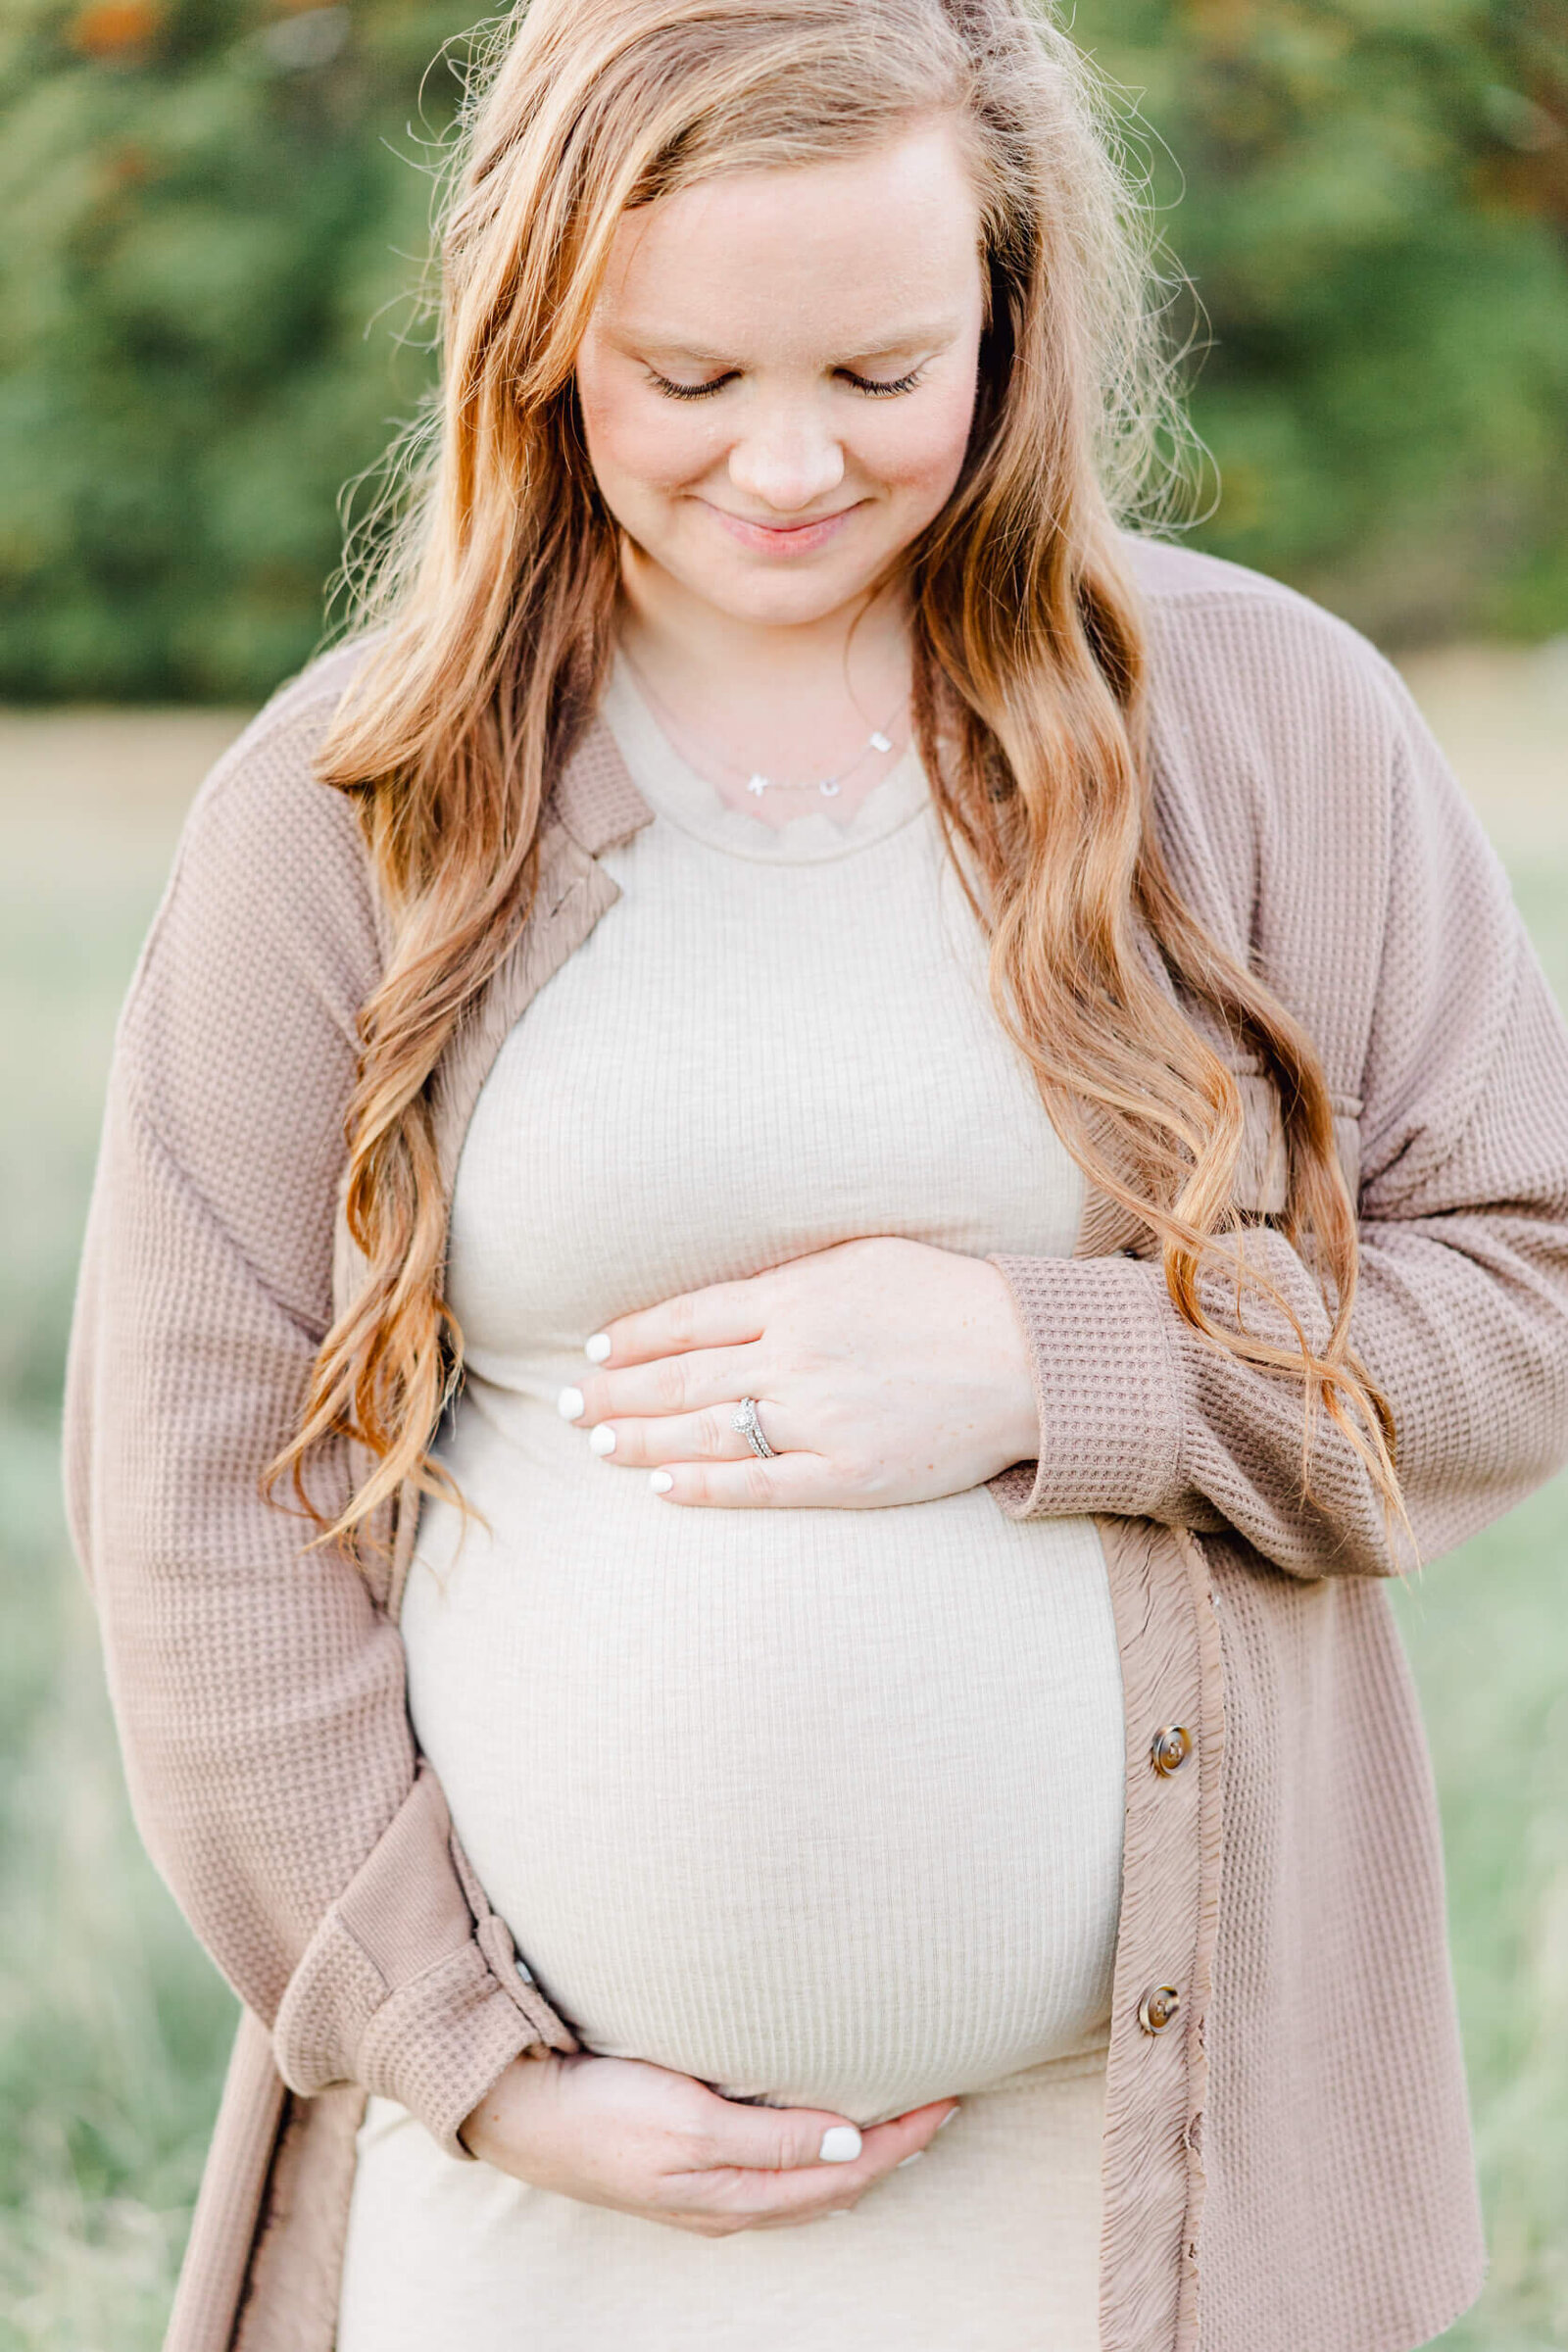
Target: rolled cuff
[(1107, 1389), (410, 1986), (438, 2045)]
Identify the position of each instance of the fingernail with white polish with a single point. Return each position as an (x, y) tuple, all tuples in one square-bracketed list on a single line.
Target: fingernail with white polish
[(598, 1347), (602, 1439), (660, 1482), (841, 2145), (903, 2160), (947, 2119), (569, 1404)]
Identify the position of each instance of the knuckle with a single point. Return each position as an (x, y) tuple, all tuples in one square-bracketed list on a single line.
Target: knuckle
[(701, 2148), (713, 1432), (669, 1383), (691, 2121), (682, 1318), (757, 1485), (715, 2220)]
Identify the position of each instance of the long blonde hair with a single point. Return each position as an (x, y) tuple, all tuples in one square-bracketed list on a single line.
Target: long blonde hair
[(496, 596)]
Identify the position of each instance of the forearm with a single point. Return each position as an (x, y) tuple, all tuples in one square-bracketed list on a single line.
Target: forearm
[(1462, 1323), (259, 1692), (1141, 1417)]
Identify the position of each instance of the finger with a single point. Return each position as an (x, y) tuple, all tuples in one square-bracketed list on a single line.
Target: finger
[(709, 1436), (789, 1482), (788, 2139), (733, 2133), (666, 1384), (722, 1314), (776, 2197)]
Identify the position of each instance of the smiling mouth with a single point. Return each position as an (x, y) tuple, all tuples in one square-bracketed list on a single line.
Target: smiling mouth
[(804, 532), (811, 523)]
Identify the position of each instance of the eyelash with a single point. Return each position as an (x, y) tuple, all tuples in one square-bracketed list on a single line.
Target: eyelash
[(862, 384)]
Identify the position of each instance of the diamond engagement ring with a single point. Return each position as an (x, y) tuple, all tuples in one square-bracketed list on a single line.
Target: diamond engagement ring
[(750, 1429)]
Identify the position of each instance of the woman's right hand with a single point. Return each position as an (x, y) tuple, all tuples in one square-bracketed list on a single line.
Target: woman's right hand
[(637, 2138)]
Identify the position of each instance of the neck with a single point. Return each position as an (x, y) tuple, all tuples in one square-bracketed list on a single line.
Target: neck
[(677, 635)]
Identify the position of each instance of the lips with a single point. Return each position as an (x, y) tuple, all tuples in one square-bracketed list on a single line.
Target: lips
[(787, 538), (753, 522)]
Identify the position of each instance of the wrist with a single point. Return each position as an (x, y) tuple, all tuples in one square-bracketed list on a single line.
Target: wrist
[(500, 2110), (1017, 1414)]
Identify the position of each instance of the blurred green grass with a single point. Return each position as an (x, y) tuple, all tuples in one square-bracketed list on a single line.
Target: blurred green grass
[(113, 2026)]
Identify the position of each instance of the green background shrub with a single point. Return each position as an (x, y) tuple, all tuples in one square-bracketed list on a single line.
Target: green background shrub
[(216, 214)]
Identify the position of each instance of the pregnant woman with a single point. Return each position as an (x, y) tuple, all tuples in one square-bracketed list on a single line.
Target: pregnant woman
[(812, 1168)]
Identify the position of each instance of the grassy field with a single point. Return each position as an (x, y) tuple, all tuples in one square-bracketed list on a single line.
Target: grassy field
[(112, 2026)]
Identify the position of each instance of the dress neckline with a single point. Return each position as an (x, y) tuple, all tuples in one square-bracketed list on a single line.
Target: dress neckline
[(688, 802)]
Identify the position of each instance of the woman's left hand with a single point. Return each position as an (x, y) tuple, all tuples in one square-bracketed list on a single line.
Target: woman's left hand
[(884, 1371)]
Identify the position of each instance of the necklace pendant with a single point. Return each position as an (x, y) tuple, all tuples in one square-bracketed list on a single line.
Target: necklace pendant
[(879, 742), (828, 787), (757, 785)]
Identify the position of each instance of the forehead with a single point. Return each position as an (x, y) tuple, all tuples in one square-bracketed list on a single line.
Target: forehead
[(845, 254)]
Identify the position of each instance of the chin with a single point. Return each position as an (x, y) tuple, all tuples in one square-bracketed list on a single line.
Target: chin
[(769, 600)]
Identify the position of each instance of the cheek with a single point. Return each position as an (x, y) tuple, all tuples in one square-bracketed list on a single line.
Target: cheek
[(918, 450), (637, 441)]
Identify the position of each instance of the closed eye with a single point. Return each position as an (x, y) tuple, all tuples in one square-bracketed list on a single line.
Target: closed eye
[(875, 388), (883, 390), (716, 383)]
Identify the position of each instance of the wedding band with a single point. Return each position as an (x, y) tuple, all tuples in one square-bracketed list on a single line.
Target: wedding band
[(750, 1429)]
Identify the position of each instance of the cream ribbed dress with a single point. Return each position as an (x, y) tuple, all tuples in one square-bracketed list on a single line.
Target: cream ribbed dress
[(835, 1796)]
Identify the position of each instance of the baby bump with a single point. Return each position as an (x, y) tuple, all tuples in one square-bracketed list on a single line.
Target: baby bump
[(821, 1807)]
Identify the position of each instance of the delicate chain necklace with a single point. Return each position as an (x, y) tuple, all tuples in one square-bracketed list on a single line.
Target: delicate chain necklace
[(879, 740)]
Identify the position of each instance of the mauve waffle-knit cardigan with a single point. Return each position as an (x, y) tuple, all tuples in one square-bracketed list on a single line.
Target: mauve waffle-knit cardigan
[(1287, 2161)]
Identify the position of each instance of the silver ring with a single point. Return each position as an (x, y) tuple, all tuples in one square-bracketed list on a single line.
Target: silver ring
[(750, 1429)]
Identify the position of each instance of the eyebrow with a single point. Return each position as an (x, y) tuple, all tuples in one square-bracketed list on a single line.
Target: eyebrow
[(926, 333)]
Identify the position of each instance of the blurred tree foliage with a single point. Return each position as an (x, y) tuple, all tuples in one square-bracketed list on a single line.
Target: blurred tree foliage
[(209, 202), (1371, 199)]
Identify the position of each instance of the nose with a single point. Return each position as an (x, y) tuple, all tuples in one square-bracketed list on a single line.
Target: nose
[(786, 461)]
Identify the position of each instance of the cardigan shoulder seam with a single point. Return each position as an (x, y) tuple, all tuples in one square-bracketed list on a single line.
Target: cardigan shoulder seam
[(298, 711), (1258, 595)]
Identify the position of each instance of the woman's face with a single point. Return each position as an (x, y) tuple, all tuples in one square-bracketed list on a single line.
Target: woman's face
[(778, 377)]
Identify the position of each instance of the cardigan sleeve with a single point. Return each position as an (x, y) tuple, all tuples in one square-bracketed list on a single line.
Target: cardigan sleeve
[(257, 1690), (1461, 1310)]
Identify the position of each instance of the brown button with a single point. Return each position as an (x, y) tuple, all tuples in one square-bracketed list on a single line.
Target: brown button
[(1170, 1748), (1157, 2007)]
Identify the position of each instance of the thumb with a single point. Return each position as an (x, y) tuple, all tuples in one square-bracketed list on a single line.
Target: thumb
[(780, 2140)]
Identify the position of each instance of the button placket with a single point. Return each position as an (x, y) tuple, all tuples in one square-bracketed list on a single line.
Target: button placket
[(1159, 2004), (1168, 1752)]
